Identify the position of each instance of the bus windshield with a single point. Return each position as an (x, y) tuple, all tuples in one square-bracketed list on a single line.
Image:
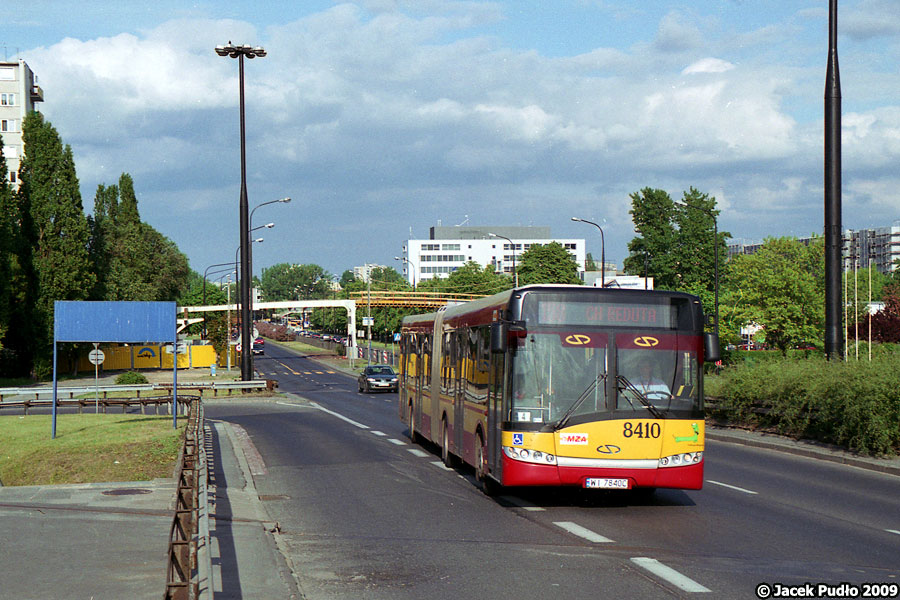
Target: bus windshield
[(557, 375)]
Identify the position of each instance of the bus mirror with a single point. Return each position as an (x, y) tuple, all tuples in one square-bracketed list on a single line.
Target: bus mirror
[(499, 332), (711, 348)]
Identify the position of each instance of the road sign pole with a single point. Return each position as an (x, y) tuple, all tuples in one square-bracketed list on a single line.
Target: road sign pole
[(96, 382)]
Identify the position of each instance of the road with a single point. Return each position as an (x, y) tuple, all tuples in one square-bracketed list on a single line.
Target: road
[(366, 514)]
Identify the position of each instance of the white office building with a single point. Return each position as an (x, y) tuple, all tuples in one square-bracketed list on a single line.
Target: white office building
[(449, 248), (18, 94)]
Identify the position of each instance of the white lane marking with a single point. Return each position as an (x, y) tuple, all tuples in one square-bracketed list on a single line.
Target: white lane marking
[(397, 442), (417, 452), (580, 531), (893, 531), (669, 574), (518, 502), (440, 464), (378, 433), (731, 487), (339, 416)]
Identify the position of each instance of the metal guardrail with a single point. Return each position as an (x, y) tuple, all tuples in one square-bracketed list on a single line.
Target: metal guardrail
[(72, 391), (105, 403), (181, 568)]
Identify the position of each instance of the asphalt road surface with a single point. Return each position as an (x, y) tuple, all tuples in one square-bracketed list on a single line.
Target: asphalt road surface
[(364, 513)]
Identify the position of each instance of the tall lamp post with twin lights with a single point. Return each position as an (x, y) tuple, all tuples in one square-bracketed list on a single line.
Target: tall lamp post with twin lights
[(239, 52)]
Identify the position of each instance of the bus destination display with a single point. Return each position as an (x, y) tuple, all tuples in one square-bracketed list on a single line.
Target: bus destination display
[(606, 314)]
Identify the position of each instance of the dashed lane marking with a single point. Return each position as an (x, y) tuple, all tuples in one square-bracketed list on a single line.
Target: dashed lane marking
[(669, 574), (583, 532), (379, 433), (397, 442), (731, 487), (417, 452), (338, 415), (440, 464), (893, 531)]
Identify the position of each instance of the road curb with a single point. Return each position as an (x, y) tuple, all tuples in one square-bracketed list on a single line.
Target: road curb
[(799, 449)]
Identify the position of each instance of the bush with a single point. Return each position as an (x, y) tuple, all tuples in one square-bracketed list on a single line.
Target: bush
[(852, 404), (131, 378)]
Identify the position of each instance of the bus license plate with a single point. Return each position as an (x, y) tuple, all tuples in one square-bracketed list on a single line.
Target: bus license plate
[(606, 483)]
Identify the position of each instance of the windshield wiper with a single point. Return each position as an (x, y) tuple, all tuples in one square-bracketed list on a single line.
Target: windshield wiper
[(587, 392), (647, 404)]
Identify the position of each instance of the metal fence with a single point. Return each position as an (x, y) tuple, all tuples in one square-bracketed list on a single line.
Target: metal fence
[(182, 582)]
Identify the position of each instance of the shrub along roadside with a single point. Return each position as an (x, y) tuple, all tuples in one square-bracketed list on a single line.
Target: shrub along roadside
[(851, 404)]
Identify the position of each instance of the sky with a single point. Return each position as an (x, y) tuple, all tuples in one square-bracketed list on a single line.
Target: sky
[(383, 118)]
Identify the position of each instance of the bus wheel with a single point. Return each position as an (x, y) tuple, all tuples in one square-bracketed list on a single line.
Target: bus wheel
[(413, 436), (488, 485), (449, 459)]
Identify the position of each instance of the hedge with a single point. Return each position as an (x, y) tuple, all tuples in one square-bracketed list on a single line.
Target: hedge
[(854, 404)]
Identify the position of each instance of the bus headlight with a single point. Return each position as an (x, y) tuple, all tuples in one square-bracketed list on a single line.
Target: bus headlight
[(680, 460), (530, 456)]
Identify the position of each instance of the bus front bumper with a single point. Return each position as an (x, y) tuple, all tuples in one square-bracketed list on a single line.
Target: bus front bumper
[(569, 472)]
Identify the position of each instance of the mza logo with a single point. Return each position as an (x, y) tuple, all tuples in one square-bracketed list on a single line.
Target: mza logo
[(146, 352), (646, 341), (573, 439), (578, 339)]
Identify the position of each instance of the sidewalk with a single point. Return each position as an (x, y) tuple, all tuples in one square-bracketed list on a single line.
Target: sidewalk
[(809, 449), (109, 541)]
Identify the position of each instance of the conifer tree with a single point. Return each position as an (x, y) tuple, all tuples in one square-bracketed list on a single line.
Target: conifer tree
[(50, 195)]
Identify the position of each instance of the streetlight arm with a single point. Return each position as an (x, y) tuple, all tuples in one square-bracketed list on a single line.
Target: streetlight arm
[(602, 250)]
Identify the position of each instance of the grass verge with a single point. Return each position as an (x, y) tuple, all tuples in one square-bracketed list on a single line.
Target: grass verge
[(88, 448)]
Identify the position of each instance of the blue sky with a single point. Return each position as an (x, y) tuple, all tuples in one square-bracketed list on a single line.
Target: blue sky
[(385, 117)]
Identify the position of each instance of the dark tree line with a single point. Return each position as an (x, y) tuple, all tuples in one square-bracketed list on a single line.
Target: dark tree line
[(50, 250)]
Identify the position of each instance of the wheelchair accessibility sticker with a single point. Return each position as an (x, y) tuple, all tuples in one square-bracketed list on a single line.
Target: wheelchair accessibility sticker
[(517, 439)]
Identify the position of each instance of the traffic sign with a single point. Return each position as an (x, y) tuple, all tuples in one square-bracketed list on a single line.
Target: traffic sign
[(96, 357)]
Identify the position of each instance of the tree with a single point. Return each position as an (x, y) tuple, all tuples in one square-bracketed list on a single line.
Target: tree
[(49, 189), (286, 281), (6, 233), (676, 244), (471, 278), (652, 212), (781, 288), (548, 263), (133, 261), (886, 323)]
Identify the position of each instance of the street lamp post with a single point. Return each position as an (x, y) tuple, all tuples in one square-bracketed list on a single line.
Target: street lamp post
[(715, 253), (204, 287), (513, 246), (252, 229), (602, 250), (411, 271), (246, 326), (239, 52)]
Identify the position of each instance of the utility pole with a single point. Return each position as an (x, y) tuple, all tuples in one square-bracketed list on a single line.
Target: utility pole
[(833, 239)]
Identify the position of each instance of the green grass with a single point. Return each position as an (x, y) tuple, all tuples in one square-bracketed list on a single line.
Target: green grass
[(88, 448)]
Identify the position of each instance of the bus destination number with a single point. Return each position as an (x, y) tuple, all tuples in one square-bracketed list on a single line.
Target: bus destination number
[(641, 430)]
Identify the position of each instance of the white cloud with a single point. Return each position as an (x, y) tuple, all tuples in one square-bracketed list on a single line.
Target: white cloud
[(708, 65), (385, 105)]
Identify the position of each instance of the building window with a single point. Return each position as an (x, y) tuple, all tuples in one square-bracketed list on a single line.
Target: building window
[(12, 177), (427, 247), (570, 246), (7, 125), (7, 74), (450, 247), (10, 152), (7, 99)]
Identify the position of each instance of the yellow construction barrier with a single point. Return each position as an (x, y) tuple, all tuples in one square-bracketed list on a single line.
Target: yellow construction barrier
[(126, 358)]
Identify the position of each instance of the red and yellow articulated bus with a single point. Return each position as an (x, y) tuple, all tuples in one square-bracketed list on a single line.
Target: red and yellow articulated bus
[(555, 385)]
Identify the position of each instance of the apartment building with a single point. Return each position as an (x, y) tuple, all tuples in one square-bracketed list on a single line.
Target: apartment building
[(449, 248), (18, 94)]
